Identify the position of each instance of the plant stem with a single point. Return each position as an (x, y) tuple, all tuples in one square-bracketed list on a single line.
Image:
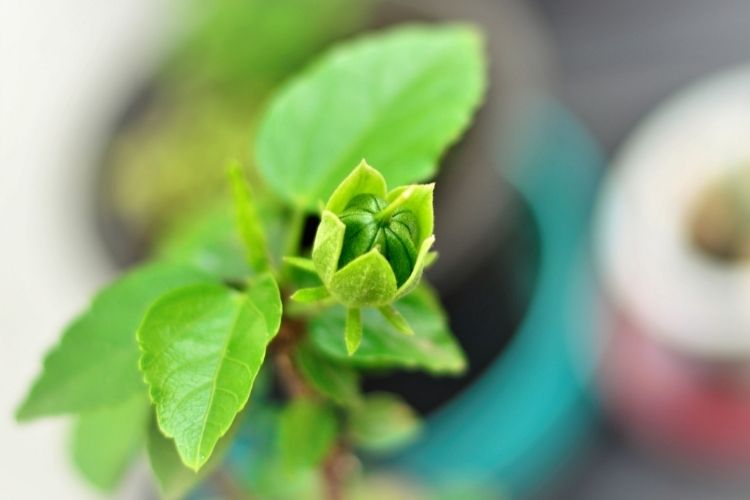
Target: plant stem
[(338, 462), (336, 467)]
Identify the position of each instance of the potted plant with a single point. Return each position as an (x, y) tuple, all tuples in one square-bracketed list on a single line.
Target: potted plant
[(297, 319)]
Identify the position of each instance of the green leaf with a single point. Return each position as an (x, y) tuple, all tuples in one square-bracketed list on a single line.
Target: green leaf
[(174, 479), (105, 441), (383, 423), (209, 241), (273, 480), (300, 263), (202, 347), (338, 382), (307, 432), (251, 228), (263, 292), (310, 295), (431, 348), (96, 362), (396, 320), (399, 99), (353, 329)]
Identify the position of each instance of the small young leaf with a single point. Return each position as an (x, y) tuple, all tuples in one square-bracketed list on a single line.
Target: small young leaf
[(250, 225), (353, 329), (202, 347), (307, 432), (382, 423), (96, 362), (396, 320), (174, 479), (398, 99), (300, 263), (332, 379), (310, 295), (431, 348), (105, 441)]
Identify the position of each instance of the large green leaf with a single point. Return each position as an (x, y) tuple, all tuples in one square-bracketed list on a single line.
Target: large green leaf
[(398, 99), (307, 432), (174, 479), (202, 347), (382, 423), (96, 362), (431, 348), (105, 441)]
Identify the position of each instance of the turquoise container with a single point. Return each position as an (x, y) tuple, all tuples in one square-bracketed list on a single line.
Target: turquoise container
[(534, 406)]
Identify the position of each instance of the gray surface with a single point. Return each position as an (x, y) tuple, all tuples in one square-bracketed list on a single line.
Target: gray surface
[(620, 58)]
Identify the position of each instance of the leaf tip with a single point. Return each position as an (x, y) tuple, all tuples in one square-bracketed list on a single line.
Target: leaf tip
[(353, 330), (22, 413), (234, 167), (351, 347), (310, 295)]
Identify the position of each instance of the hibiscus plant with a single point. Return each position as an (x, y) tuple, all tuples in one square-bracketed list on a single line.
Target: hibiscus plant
[(253, 336)]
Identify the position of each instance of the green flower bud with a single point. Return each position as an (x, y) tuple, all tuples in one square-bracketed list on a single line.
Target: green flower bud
[(370, 248), (369, 225), (371, 245)]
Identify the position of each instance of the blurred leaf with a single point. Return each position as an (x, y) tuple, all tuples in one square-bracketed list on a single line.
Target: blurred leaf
[(431, 348), (382, 423), (307, 432), (300, 263), (174, 479), (332, 379), (248, 220), (398, 99), (105, 441), (395, 319), (274, 482), (96, 362), (241, 42), (202, 347), (209, 242)]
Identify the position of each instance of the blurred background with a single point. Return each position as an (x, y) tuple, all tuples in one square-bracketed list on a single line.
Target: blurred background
[(602, 290)]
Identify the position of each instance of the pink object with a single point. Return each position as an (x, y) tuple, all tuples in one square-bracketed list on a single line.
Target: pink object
[(675, 402)]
